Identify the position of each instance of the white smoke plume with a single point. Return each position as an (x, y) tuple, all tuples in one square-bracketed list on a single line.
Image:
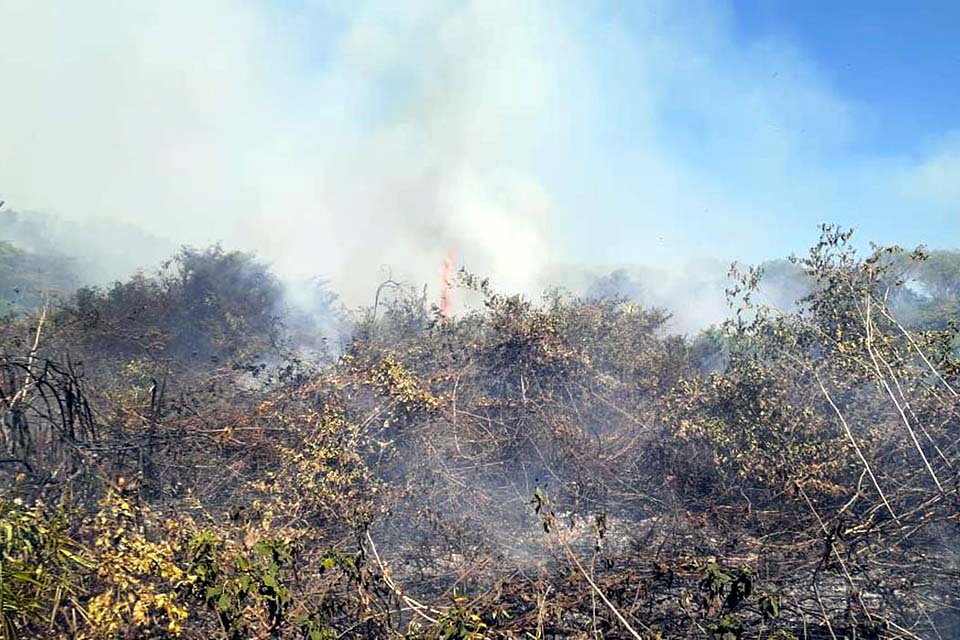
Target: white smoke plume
[(347, 140), (336, 138)]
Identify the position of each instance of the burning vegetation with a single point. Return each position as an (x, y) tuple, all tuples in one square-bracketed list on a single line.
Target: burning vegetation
[(176, 463)]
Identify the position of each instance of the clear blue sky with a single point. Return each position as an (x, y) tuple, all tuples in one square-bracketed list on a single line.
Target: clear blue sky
[(900, 58)]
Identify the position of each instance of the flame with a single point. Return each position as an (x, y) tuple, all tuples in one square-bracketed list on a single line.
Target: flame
[(446, 294)]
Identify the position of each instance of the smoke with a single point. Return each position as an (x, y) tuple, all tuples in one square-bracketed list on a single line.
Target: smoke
[(332, 141), (100, 251), (693, 294), (337, 138)]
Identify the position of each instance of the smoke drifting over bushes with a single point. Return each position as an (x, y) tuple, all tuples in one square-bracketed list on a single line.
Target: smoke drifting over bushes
[(205, 122), (335, 138), (102, 251), (209, 481)]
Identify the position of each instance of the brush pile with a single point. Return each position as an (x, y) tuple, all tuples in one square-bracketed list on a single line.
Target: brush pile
[(171, 467)]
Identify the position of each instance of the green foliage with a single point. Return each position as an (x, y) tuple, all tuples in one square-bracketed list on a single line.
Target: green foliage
[(458, 623), (761, 422), (725, 589), (209, 305), (770, 605), (41, 567), (930, 298), (728, 628), (246, 588), (28, 280)]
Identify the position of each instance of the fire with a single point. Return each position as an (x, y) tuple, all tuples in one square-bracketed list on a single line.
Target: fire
[(446, 295)]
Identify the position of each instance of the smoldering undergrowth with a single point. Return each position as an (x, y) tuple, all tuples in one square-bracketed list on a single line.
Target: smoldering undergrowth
[(175, 464)]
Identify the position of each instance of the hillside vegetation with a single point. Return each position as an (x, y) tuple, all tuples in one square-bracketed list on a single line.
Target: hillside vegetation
[(175, 464), (28, 280)]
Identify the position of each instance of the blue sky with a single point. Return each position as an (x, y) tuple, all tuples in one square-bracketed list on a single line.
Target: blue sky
[(782, 115), (343, 138), (899, 58)]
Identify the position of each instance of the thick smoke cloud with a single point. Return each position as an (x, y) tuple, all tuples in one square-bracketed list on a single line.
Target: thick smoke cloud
[(402, 134), (337, 138)]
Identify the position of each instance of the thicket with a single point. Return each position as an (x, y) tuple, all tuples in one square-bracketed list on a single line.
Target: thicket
[(173, 466)]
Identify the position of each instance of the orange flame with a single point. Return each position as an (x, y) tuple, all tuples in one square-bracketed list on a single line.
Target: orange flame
[(446, 295)]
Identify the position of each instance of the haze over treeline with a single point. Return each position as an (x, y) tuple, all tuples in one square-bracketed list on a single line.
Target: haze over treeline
[(69, 254), (334, 138)]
